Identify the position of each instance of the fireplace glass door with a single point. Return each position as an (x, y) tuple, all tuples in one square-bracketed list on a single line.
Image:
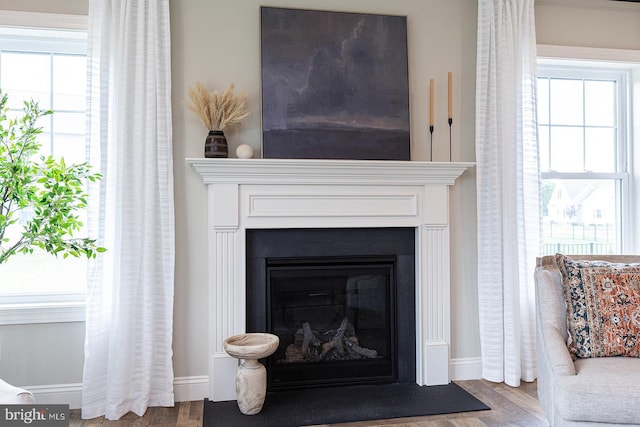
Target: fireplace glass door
[(335, 318)]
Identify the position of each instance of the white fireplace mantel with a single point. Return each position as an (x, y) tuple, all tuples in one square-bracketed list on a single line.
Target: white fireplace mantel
[(291, 193)]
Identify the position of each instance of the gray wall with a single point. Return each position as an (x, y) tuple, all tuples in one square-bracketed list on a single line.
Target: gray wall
[(217, 42), (72, 7), (588, 23)]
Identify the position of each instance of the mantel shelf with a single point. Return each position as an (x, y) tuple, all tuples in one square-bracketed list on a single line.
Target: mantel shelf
[(312, 171)]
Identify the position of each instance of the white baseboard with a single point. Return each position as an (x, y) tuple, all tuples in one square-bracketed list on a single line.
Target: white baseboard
[(184, 389), (58, 394), (469, 368), (187, 389)]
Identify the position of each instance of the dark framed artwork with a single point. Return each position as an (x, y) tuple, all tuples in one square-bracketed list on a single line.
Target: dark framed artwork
[(334, 85)]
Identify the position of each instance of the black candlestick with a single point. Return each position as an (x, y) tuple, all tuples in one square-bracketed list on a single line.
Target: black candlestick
[(431, 145), (450, 123)]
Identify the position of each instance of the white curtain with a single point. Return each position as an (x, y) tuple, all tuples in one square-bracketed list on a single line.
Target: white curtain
[(507, 188), (128, 354)]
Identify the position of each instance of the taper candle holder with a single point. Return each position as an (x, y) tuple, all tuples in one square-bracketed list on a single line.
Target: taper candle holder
[(431, 143), (450, 124)]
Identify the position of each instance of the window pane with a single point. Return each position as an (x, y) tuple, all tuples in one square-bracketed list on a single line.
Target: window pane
[(566, 102), (567, 149), (57, 80), (583, 214), (46, 137), (69, 82), (26, 76), (40, 272), (70, 137), (543, 101), (580, 216), (600, 149), (43, 273), (599, 102), (543, 147)]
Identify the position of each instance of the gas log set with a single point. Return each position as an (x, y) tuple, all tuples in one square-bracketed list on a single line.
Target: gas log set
[(332, 345)]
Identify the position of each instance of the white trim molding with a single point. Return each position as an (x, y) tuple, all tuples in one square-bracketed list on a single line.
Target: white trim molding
[(469, 368), (578, 53), (58, 394), (188, 389), (592, 4), (57, 312), (185, 389), (54, 21), (55, 307)]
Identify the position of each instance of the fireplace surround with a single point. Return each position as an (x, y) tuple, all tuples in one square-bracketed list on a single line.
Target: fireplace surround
[(341, 300), (272, 194)]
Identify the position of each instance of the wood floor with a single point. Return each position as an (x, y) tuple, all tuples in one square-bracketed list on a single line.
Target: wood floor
[(515, 407)]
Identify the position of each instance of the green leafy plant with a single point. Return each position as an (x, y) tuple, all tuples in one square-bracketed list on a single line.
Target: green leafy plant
[(40, 194)]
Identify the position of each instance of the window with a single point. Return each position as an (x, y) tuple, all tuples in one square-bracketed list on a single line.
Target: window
[(582, 122), (50, 67)]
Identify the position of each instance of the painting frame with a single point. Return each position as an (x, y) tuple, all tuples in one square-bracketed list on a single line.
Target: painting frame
[(335, 85)]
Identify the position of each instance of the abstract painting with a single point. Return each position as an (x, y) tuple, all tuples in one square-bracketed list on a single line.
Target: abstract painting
[(334, 85)]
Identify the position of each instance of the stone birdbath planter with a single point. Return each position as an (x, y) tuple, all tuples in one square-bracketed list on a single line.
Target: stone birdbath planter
[(251, 378)]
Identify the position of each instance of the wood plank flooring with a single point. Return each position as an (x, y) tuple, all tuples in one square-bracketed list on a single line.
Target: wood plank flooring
[(510, 407)]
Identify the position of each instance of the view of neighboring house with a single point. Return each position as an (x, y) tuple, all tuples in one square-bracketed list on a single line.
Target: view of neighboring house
[(580, 217), (576, 203)]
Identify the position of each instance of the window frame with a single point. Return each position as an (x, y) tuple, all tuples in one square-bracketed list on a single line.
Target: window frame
[(53, 307), (605, 63)]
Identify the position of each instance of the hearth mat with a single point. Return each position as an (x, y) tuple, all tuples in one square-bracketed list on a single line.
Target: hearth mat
[(344, 404)]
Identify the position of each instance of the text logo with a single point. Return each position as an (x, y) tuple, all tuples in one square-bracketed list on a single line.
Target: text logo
[(34, 415)]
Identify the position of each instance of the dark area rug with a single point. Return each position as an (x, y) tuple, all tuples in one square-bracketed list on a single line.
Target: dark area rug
[(344, 404)]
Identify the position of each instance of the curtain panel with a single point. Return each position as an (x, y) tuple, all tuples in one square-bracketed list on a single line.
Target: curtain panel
[(128, 354), (507, 188)]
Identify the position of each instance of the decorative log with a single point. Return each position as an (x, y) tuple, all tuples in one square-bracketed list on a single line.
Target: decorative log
[(340, 335), (338, 344), (366, 352), (293, 354), (328, 346), (308, 338)]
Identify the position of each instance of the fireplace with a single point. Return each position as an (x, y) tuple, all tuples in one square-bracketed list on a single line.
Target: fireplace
[(276, 194), (335, 320), (334, 297)]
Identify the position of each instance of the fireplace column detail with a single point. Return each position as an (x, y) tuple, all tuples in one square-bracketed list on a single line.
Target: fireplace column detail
[(226, 298), (434, 293), (292, 193)]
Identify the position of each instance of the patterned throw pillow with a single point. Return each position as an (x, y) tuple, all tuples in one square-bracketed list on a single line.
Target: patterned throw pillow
[(603, 307)]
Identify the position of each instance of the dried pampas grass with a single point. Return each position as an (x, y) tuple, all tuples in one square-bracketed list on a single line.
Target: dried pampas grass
[(217, 111)]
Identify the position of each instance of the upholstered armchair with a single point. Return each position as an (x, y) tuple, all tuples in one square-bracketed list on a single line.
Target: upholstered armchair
[(598, 391), (11, 395)]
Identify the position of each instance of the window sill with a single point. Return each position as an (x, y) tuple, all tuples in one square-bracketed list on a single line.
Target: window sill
[(49, 312)]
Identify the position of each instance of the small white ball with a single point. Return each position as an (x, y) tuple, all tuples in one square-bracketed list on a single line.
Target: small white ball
[(244, 151)]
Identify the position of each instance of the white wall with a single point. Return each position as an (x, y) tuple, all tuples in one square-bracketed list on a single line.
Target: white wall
[(217, 42)]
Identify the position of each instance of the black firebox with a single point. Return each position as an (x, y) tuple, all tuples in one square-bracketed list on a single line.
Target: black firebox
[(340, 300)]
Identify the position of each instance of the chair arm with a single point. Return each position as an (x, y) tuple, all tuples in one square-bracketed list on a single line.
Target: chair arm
[(14, 395), (557, 353)]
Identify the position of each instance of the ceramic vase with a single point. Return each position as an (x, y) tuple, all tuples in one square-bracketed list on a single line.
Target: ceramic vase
[(251, 386), (215, 146)]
